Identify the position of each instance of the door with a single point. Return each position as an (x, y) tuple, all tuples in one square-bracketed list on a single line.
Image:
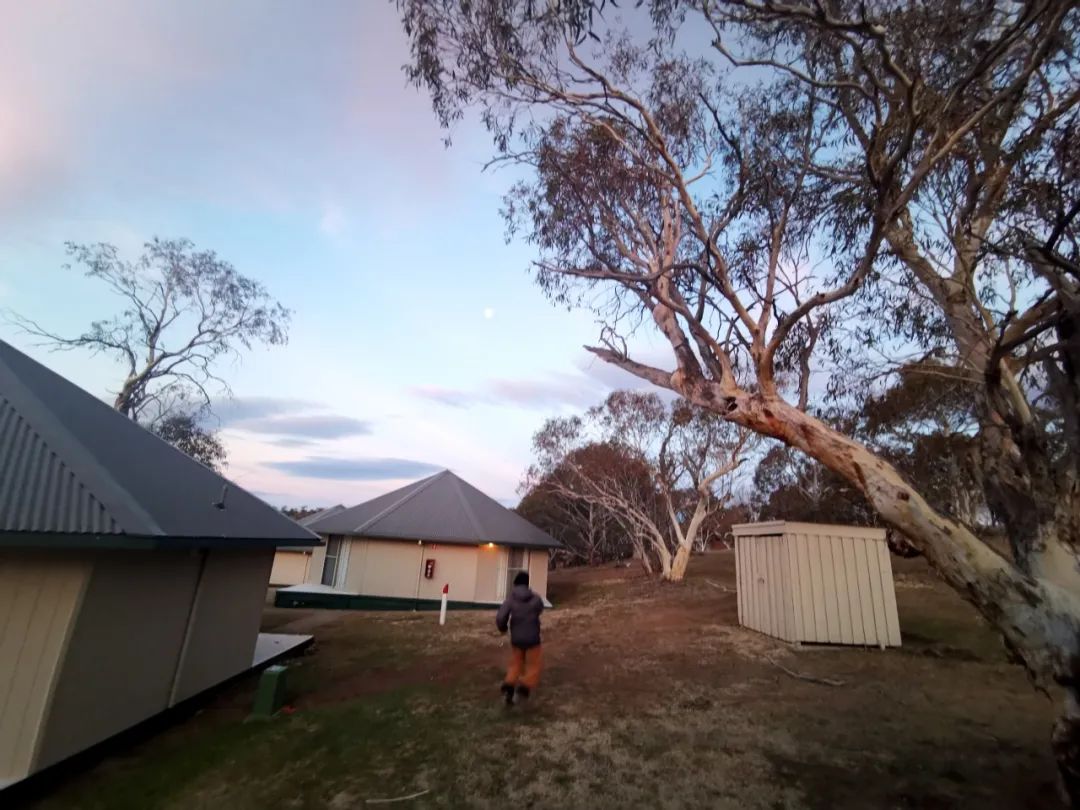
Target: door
[(517, 560), (330, 564)]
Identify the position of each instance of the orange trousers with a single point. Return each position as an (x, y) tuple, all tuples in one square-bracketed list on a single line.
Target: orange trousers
[(524, 669)]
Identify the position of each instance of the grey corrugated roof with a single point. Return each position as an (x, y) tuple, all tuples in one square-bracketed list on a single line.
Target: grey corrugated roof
[(74, 471), (441, 508)]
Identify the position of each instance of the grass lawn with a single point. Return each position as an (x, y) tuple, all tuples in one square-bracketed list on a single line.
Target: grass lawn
[(652, 697)]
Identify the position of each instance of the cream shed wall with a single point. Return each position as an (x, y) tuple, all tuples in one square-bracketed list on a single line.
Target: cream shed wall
[(806, 582), (39, 598), (290, 567), (109, 639), (394, 568)]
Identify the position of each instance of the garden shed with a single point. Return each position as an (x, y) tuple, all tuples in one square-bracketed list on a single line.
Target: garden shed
[(819, 583), (131, 577)]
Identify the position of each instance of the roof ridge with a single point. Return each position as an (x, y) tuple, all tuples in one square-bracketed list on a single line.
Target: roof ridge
[(121, 506), (422, 485), (465, 505)]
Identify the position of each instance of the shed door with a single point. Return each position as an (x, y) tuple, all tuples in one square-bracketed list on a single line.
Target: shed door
[(760, 583)]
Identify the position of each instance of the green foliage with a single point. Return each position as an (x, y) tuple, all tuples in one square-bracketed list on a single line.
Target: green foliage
[(185, 432)]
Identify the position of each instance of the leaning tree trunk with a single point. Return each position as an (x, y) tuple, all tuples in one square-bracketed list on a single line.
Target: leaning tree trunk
[(1037, 612)]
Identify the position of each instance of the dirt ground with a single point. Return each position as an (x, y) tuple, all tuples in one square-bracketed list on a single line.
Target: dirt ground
[(652, 697)]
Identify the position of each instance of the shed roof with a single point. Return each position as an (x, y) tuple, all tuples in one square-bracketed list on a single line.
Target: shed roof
[(441, 508), (798, 527), (77, 473)]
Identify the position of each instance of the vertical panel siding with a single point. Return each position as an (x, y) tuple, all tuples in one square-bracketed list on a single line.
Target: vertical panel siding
[(817, 586), (764, 584), (538, 572), (225, 618), (740, 591), (836, 555), (782, 587), (854, 594), (38, 600), (892, 620), (871, 593), (122, 656), (828, 589)]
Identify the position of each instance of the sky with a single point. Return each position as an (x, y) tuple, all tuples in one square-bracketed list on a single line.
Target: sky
[(284, 137)]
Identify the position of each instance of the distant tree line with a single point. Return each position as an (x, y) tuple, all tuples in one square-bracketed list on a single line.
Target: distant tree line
[(634, 477), (299, 512)]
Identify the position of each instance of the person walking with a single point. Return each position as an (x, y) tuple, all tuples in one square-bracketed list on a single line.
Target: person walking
[(520, 613)]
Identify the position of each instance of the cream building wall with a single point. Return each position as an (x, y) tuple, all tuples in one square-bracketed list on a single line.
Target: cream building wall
[(94, 643), (290, 567), (395, 568)]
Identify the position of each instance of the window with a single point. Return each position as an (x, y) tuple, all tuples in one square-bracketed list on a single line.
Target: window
[(517, 560), (333, 554)]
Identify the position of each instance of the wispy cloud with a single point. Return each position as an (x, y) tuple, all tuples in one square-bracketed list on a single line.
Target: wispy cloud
[(311, 426), (358, 469), (553, 390), (292, 441), (454, 397), (296, 422), (239, 409)]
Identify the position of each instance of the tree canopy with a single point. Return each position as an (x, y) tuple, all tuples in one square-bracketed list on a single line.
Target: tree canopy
[(778, 187)]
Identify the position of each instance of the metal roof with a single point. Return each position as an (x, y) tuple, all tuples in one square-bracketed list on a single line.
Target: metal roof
[(441, 508), (75, 472)]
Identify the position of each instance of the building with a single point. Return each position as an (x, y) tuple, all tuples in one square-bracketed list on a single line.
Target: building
[(816, 583), (397, 551), (131, 577), (292, 563)]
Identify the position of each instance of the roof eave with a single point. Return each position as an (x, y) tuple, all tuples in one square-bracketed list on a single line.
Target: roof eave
[(57, 541)]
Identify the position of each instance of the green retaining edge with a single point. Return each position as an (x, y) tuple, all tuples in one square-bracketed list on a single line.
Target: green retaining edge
[(341, 601)]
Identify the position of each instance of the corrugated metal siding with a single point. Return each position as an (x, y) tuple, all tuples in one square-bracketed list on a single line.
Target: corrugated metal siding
[(823, 587), (38, 598), (38, 493)]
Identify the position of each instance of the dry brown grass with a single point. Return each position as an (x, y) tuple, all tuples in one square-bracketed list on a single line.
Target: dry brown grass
[(652, 697)]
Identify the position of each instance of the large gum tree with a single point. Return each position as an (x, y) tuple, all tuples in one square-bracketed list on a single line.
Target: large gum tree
[(781, 186)]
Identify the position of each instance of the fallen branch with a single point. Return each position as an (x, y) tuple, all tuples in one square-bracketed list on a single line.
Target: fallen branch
[(723, 588), (416, 795), (801, 677)]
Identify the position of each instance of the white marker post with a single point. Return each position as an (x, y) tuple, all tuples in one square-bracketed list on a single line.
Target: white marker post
[(442, 610)]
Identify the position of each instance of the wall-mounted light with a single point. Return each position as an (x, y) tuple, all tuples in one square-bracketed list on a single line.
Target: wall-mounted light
[(491, 545)]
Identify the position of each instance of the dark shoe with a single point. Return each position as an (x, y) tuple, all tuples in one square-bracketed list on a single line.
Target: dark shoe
[(508, 693), (522, 693)]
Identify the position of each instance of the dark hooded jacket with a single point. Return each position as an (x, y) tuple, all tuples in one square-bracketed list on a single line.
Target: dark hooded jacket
[(521, 613)]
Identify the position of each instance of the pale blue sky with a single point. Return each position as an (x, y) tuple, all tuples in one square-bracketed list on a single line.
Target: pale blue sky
[(283, 136)]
